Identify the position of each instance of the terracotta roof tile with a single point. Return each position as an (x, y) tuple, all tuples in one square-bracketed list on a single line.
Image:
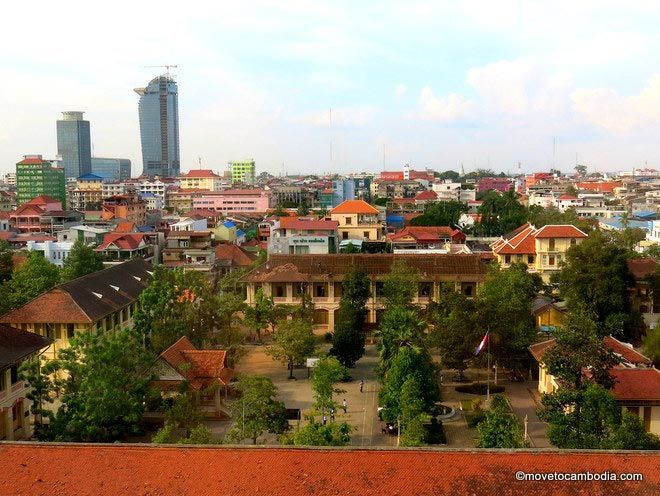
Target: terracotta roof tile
[(123, 241), (126, 227), (234, 254), (626, 352), (141, 470), (320, 225), (200, 367), (642, 267), (16, 344), (636, 384), (203, 173), (560, 231), (426, 195), (354, 207)]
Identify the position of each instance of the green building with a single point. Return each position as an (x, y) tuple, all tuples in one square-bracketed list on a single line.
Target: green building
[(242, 172), (35, 177)]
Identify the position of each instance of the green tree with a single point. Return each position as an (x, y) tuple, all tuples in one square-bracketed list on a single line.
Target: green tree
[(400, 285), (257, 316), (101, 381), (652, 345), (408, 364), (500, 428), (316, 434), (303, 209), (630, 435), (175, 304), (596, 275), (348, 339), (412, 414), (293, 342), (580, 170), (504, 305), (327, 372), (256, 410), (31, 279), (450, 175), (82, 260), (442, 213), (400, 328), (6, 261), (500, 214), (456, 328)]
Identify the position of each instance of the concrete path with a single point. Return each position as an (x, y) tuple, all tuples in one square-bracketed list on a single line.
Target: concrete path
[(521, 397)]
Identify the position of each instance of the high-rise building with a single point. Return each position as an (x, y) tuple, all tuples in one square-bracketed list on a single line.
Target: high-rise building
[(242, 172), (115, 169), (74, 144), (159, 127), (35, 177)]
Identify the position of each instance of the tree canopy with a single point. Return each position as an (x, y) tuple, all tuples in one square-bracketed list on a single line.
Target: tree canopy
[(500, 428), (28, 281), (500, 213), (82, 260), (293, 342), (327, 372), (441, 213)]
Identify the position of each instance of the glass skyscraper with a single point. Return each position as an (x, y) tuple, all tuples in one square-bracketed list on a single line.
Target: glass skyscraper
[(116, 169), (74, 144), (159, 127)]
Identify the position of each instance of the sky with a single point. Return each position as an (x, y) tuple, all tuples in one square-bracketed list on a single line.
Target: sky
[(304, 86)]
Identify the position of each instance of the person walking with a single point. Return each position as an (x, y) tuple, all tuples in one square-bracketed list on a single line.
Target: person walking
[(361, 385), (325, 419), (344, 405), (332, 415)]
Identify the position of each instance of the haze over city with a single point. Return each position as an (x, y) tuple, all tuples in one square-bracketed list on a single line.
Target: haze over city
[(486, 84)]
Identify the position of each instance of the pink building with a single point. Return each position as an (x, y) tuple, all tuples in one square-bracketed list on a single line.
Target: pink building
[(233, 201), (501, 184)]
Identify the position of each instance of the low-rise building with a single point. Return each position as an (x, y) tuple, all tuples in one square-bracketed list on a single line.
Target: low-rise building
[(189, 249), (542, 250), (119, 247), (286, 278), (128, 207), (229, 257), (637, 382), (98, 302), (16, 346), (235, 201), (294, 236), (425, 239), (87, 193), (201, 179), (55, 252), (357, 220)]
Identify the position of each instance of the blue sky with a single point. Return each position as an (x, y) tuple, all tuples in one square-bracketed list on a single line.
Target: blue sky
[(435, 84)]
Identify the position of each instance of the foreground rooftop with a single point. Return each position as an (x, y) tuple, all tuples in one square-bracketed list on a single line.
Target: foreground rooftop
[(71, 469)]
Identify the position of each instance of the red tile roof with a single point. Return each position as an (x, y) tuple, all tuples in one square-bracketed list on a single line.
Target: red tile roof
[(625, 351), (126, 227), (642, 267), (560, 231), (636, 384), (309, 225), (32, 161), (142, 470), (234, 254), (426, 233), (200, 367), (568, 197), (201, 173), (426, 195), (123, 241), (354, 207), (42, 200)]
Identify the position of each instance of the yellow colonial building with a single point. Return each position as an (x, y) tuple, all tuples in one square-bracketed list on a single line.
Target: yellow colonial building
[(201, 179), (97, 302), (357, 220), (542, 249)]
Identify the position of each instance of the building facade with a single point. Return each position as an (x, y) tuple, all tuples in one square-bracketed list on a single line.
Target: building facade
[(113, 169), (357, 220), (74, 144), (293, 236), (55, 252), (87, 194), (233, 201), (287, 277), (159, 127), (35, 177), (201, 179), (242, 171)]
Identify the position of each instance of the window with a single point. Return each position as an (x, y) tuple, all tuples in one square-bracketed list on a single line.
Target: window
[(348, 221), (13, 373), (573, 242), (279, 290), (551, 244), (551, 260), (338, 289), (69, 331), (425, 289), (507, 259), (518, 258), (319, 290), (380, 285), (365, 234), (299, 289), (467, 288), (530, 259), (344, 235)]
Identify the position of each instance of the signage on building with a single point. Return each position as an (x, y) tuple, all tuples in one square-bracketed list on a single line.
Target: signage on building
[(309, 240)]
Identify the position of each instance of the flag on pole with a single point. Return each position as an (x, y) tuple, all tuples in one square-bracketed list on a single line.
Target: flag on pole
[(482, 344)]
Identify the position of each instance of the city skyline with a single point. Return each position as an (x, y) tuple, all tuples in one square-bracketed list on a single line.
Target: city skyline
[(482, 84)]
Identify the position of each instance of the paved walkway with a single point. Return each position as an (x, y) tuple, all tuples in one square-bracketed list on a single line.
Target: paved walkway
[(521, 397)]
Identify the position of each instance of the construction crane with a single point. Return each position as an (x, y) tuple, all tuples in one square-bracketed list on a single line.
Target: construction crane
[(167, 67)]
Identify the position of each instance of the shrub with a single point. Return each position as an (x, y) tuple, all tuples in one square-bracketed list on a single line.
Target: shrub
[(478, 388), (434, 433)]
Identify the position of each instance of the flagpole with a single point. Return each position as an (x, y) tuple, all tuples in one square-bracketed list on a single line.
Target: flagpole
[(488, 379)]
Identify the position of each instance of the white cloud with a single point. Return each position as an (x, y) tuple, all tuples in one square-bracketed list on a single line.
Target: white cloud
[(605, 108), (400, 89), (450, 108)]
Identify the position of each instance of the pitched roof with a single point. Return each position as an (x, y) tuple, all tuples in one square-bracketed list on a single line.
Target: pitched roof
[(299, 268), (123, 241), (425, 233), (16, 344), (354, 207), (142, 469), (426, 195), (309, 225), (32, 161), (201, 173), (234, 255), (636, 384), (126, 227), (86, 299), (200, 367), (642, 267), (560, 231), (624, 350), (42, 200)]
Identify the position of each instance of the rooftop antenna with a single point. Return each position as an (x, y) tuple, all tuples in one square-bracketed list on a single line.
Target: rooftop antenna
[(199, 161), (554, 150), (167, 67)]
